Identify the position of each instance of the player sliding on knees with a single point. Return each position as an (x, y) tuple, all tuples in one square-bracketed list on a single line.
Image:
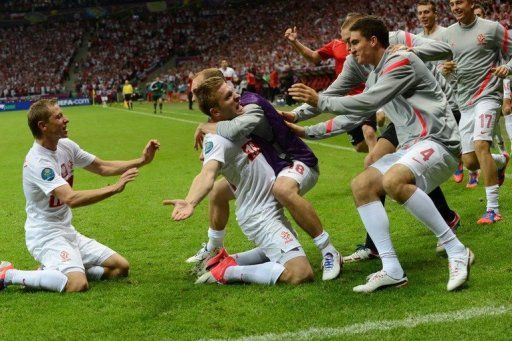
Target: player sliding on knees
[(294, 164), (278, 256), (68, 259)]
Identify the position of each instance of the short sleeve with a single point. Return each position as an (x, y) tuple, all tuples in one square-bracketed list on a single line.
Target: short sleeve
[(81, 158), (214, 149), (44, 176)]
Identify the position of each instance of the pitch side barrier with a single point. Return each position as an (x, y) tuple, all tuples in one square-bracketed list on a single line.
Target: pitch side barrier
[(25, 105)]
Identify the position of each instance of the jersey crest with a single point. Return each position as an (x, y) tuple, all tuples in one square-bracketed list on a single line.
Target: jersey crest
[(208, 146), (48, 174)]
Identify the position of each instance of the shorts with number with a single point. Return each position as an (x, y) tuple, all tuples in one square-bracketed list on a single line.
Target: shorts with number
[(71, 253), (275, 236), (477, 123), (305, 176), (429, 161)]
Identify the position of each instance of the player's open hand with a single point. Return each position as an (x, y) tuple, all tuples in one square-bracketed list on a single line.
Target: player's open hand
[(182, 209), (291, 34), (148, 154), (500, 71), (296, 129), (126, 177), (303, 93), (448, 67), (288, 116)]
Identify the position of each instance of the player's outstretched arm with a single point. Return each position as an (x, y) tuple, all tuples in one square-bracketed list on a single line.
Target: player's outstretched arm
[(303, 93), (108, 168), (312, 56), (73, 198), (201, 186)]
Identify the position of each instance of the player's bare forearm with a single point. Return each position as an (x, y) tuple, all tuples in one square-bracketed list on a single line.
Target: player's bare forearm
[(202, 185), (109, 168), (312, 56), (74, 198)]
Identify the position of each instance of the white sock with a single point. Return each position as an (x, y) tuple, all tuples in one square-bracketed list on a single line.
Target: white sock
[(94, 273), (251, 257), (215, 239), (323, 243), (508, 125), (499, 159), (376, 222), (265, 273), (492, 193), (51, 280), (421, 206)]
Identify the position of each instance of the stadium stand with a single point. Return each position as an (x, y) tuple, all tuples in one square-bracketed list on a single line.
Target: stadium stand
[(132, 44)]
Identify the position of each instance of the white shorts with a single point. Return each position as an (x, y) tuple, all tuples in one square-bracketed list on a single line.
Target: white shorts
[(305, 176), (477, 123), (72, 254), (275, 236), (430, 163)]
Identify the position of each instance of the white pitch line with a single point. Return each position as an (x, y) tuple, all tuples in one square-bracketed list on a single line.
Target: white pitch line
[(197, 122), (377, 326)]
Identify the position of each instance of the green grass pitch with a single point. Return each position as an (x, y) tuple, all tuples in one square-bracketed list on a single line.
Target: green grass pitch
[(159, 299)]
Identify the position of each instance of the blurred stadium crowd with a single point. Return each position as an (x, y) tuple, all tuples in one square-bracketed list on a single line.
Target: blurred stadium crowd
[(104, 52)]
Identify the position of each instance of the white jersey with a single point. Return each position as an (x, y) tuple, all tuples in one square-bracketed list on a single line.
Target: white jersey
[(229, 75), (249, 174), (43, 171)]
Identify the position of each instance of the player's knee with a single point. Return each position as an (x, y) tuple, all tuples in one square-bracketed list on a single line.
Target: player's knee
[(76, 285), (360, 184), (298, 275), (361, 147), (482, 147), (392, 184), (470, 162), (122, 267), (284, 192)]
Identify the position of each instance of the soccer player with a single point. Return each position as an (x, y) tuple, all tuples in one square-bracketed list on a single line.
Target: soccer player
[(351, 75), (362, 138), (229, 73), (69, 259), (279, 256), (476, 47), (296, 171), (157, 89), (429, 146), (128, 94), (426, 12)]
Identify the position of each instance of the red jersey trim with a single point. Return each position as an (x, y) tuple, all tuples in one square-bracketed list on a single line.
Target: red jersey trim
[(408, 39), (482, 87), (328, 127), (422, 122), (396, 65)]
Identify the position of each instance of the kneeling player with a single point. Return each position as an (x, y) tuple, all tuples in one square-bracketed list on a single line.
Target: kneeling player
[(68, 258), (279, 256)]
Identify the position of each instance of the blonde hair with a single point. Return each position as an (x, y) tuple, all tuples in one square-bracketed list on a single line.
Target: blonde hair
[(40, 111), (207, 95)]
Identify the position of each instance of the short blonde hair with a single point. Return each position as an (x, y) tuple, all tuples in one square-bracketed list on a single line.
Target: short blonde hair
[(40, 111), (207, 94)]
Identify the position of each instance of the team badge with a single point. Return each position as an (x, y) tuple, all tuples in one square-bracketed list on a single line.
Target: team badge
[(208, 146), (48, 174), (480, 39)]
